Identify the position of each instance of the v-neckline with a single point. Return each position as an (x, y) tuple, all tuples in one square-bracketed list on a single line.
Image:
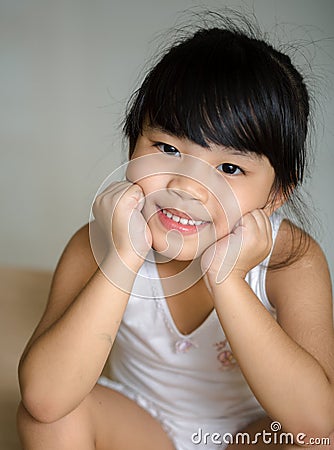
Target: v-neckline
[(176, 329), (160, 296)]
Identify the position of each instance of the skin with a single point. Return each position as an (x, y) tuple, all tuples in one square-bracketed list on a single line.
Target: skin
[(288, 363), (251, 190)]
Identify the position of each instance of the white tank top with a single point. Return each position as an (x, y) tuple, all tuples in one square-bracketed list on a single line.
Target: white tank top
[(193, 376)]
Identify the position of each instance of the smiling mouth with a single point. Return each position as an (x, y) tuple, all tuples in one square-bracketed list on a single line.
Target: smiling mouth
[(176, 220), (179, 217)]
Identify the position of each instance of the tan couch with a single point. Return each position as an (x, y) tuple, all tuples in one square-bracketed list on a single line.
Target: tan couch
[(23, 295)]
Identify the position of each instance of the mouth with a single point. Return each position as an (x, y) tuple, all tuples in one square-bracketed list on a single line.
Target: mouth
[(173, 219)]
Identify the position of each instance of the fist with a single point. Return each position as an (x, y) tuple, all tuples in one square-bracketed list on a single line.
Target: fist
[(117, 210), (237, 253)]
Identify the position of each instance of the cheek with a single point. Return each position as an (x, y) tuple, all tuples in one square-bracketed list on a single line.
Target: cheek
[(151, 186), (256, 198), (226, 212), (256, 193), (143, 166), (135, 171)]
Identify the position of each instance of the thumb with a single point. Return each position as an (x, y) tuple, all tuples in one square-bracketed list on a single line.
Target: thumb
[(268, 210), (138, 195), (140, 199)]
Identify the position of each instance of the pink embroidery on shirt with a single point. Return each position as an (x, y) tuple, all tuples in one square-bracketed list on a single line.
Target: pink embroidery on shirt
[(225, 356), (184, 345)]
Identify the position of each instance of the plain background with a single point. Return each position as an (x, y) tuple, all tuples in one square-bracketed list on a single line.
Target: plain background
[(67, 69)]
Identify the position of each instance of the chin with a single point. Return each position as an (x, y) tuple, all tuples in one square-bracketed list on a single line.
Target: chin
[(185, 253)]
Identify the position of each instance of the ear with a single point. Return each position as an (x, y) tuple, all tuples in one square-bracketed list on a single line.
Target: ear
[(275, 200)]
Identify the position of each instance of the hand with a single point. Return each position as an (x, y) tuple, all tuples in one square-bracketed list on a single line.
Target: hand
[(237, 253), (117, 210)]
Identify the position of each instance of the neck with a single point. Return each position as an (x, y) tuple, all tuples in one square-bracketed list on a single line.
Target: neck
[(177, 276), (173, 266)]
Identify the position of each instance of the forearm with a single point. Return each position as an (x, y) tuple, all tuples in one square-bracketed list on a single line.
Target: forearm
[(63, 364), (289, 383)]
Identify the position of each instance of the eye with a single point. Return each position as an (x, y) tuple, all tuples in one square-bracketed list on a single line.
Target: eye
[(168, 149), (230, 169)]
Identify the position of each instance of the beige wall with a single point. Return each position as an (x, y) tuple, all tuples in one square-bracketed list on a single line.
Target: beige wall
[(67, 68)]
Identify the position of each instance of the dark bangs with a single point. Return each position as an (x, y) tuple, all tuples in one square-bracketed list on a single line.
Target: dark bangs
[(226, 88)]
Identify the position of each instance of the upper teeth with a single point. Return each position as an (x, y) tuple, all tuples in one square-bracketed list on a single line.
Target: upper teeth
[(182, 220)]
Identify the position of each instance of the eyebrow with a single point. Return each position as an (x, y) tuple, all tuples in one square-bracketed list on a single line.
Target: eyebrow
[(244, 153), (230, 150)]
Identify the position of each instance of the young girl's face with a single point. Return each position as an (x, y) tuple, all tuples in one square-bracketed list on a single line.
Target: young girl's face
[(194, 196)]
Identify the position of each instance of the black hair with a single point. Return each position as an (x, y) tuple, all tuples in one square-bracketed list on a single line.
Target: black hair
[(228, 87)]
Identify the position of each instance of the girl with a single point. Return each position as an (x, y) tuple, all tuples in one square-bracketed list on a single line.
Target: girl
[(217, 136)]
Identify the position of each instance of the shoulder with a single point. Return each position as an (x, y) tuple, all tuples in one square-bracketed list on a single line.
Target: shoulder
[(78, 248), (77, 262), (297, 264), (302, 295), (79, 241), (74, 269)]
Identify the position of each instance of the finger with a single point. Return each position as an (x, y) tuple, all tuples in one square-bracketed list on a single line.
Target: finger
[(138, 194), (268, 225), (115, 186), (114, 191), (266, 220), (268, 209), (261, 222), (250, 219), (264, 225), (260, 216)]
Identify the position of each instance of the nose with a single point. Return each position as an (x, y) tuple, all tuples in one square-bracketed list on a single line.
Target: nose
[(188, 188)]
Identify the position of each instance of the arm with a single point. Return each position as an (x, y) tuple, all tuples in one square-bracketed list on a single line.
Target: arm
[(288, 364), (68, 350)]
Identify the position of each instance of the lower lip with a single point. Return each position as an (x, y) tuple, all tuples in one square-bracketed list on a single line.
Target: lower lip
[(170, 224)]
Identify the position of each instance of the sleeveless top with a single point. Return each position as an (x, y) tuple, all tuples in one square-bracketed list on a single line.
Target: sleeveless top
[(193, 377)]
